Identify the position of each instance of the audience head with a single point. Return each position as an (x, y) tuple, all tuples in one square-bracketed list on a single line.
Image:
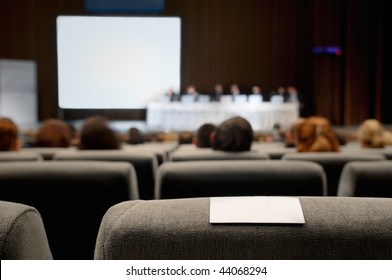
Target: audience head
[(53, 133), (203, 136), (185, 137), (9, 139), (135, 136), (314, 134), (96, 134), (233, 135), (387, 138), (370, 134)]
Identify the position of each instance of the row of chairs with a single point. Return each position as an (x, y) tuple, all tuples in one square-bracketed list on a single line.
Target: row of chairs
[(335, 228), (147, 161), (72, 196)]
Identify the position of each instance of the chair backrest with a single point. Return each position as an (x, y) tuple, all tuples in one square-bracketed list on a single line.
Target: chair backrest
[(20, 156), (161, 149), (46, 152), (194, 154), (333, 163), (274, 150), (22, 233), (239, 178), (369, 179), (145, 164), (335, 228), (71, 196)]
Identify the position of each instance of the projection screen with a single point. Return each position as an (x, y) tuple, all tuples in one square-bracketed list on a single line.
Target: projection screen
[(107, 62)]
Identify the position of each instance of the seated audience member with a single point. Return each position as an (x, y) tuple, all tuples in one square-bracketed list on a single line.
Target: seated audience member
[(203, 136), (185, 137), (387, 138), (233, 135), (54, 133), (135, 136), (96, 134), (371, 134), (315, 134), (9, 138)]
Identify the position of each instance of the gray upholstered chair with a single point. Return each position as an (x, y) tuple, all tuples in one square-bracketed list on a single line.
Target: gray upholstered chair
[(233, 178), (189, 154), (273, 150), (145, 163), (371, 179), (20, 156), (47, 152), (161, 149), (71, 196), (22, 233), (333, 163), (335, 228)]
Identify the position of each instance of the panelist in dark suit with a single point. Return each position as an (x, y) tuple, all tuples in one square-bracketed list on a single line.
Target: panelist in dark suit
[(218, 92), (234, 90)]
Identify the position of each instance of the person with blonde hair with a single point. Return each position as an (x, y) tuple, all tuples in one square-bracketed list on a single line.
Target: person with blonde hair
[(314, 134), (9, 138), (371, 134)]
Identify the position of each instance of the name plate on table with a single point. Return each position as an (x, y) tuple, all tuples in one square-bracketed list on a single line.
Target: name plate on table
[(256, 209)]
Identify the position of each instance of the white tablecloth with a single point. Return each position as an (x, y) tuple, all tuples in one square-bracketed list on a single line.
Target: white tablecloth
[(179, 116)]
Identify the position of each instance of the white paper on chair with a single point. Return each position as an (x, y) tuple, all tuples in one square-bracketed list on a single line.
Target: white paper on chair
[(256, 209)]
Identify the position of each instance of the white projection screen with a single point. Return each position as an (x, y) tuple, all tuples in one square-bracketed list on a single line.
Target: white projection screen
[(110, 62)]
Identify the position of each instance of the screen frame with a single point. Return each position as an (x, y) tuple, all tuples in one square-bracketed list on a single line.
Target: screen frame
[(112, 113)]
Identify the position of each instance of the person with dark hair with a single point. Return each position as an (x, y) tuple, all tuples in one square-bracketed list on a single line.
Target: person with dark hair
[(54, 133), (135, 136), (233, 135), (203, 135), (9, 138), (96, 134)]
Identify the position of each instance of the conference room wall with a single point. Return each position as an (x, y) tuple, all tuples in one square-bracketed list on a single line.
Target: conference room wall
[(247, 42)]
